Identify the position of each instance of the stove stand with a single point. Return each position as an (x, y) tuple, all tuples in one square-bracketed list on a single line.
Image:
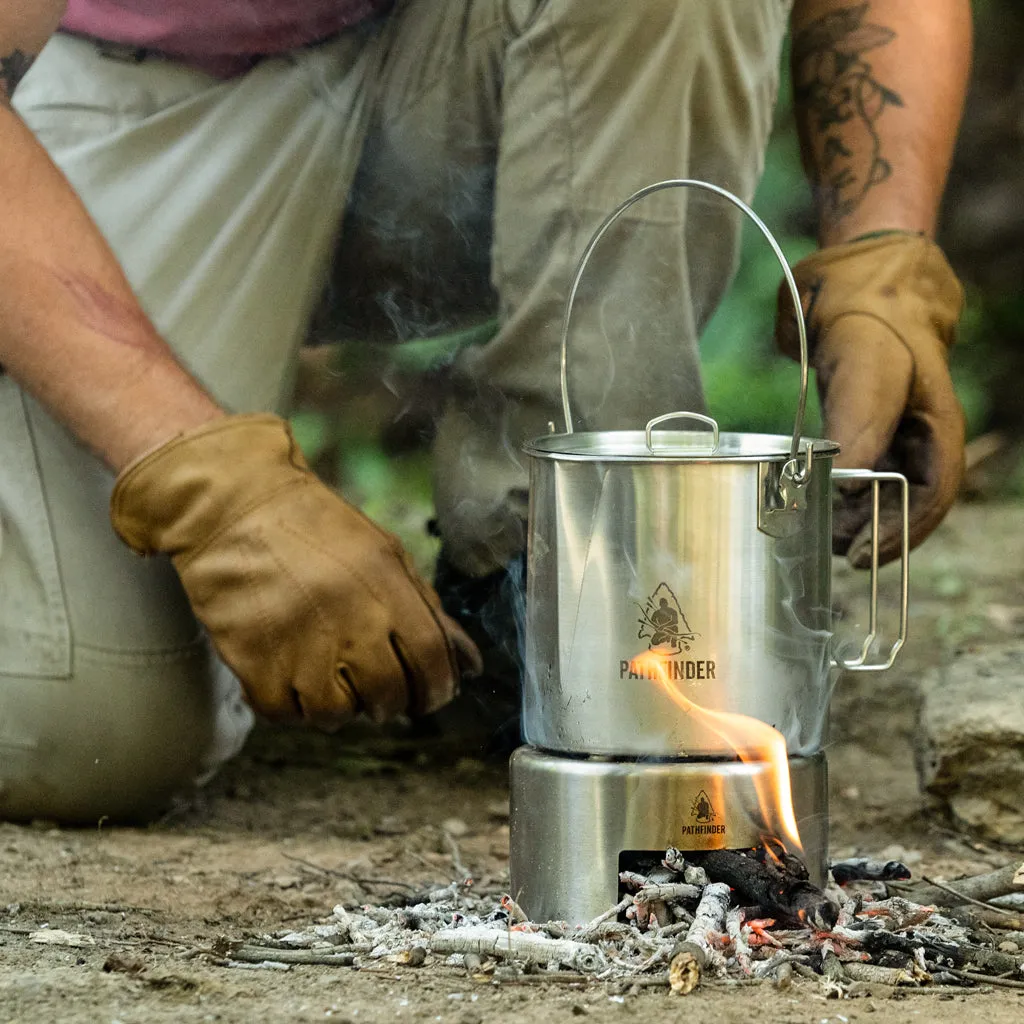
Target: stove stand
[(572, 818)]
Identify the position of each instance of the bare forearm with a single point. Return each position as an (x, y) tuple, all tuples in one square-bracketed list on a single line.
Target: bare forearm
[(878, 91), (71, 331)]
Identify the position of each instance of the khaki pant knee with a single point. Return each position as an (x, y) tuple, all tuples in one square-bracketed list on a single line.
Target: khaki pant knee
[(115, 742)]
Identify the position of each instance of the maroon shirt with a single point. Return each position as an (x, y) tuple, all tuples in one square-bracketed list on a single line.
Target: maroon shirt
[(221, 36)]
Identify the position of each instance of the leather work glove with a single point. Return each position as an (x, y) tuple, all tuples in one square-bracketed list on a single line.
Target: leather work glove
[(881, 314), (318, 611)]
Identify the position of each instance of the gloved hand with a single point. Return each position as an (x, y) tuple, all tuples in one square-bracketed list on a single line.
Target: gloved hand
[(881, 314), (318, 611)]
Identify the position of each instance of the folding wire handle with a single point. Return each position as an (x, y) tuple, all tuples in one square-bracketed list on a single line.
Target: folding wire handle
[(801, 473), (861, 663)]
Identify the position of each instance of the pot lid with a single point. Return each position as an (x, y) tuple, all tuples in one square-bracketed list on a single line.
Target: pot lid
[(673, 446)]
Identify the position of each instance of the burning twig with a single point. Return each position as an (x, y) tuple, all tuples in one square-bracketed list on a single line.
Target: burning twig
[(740, 949), (516, 914), (772, 887)]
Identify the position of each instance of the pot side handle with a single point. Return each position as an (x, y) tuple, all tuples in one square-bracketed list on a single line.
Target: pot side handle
[(861, 662)]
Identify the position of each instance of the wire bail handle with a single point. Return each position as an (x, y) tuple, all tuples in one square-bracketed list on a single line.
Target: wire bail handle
[(799, 473)]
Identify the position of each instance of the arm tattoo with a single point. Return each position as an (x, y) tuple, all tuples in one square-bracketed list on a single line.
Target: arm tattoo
[(841, 102), (12, 70)]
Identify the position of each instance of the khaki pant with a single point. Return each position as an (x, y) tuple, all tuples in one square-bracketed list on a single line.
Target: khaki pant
[(468, 149)]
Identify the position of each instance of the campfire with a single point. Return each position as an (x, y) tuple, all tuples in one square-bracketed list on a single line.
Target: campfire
[(715, 918), (690, 917)]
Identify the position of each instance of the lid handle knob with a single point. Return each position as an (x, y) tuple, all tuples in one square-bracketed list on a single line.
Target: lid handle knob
[(699, 417)]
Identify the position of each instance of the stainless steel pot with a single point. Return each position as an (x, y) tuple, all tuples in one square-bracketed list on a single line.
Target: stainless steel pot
[(711, 549)]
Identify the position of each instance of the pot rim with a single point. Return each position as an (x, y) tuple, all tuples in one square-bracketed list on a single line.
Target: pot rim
[(684, 447)]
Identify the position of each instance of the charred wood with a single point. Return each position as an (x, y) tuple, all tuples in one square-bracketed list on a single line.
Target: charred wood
[(864, 869), (777, 888), (946, 954)]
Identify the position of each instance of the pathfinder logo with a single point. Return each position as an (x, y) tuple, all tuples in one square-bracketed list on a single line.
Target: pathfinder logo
[(703, 814), (663, 625)]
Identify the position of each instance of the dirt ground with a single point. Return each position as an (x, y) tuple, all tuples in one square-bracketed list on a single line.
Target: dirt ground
[(300, 823)]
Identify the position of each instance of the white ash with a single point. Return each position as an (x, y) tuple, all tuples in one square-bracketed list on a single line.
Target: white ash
[(658, 914)]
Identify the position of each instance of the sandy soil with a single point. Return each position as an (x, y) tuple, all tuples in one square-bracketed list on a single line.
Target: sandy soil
[(300, 823)]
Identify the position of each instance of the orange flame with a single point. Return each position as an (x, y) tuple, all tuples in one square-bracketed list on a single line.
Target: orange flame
[(753, 740)]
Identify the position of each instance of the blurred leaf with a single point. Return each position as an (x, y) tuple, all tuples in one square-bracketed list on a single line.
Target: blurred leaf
[(312, 430)]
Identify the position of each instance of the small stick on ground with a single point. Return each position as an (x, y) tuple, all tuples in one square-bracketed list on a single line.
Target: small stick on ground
[(259, 955), (961, 898), (962, 890), (876, 975), (509, 945), (985, 979), (461, 870)]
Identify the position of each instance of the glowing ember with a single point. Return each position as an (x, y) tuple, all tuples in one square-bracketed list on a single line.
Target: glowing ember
[(753, 740)]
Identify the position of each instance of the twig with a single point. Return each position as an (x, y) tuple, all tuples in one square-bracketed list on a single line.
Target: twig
[(875, 974), (261, 954), (87, 908), (667, 891), (588, 930), (509, 945), (347, 877), (979, 887), (543, 977), (453, 848), (709, 920), (987, 979), (740, 949), (965, 897)]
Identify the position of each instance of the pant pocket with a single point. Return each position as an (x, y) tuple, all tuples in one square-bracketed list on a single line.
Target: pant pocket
[(35, 637)]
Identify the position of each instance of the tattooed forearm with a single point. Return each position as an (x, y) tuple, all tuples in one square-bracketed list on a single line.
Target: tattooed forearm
[(13, 68), (839, 103)]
